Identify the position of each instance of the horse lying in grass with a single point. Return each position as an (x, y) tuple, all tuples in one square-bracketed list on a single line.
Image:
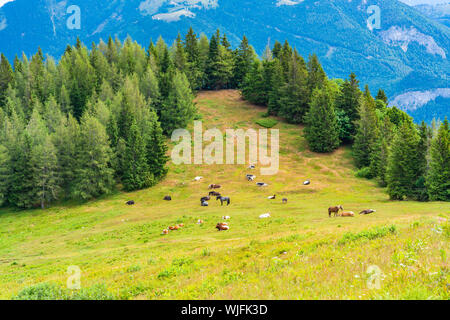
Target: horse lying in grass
[(368, 211), (214, 186), (204, 199), (221, 226), (214, 193), (346, 214), (334, 210), (223, 199)]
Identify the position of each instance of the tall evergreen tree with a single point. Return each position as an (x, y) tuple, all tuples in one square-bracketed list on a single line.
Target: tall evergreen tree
[(366, 133), (294, 100), (179, 107), (321, 130), (403, 170), (136, 173), (381, 95), (5, 174), (316, 76), (157, 151), (93, 176), (438, 178), (348, 102), (6, 77), (243, 62), (45, 172)]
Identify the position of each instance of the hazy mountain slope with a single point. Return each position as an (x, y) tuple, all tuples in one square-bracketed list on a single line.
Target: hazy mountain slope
[(408, 54)]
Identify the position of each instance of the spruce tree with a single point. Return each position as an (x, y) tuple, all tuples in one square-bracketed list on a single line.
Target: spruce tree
[(45, 172), (438, 178), (316, 76), (321, 130), (348, 102), (403, 170), (5, 174), (157, 151), (93, 176), (6, 77), (194, 71), (366, 132), (66, 141), (243, 62), (253, 85), (179, 106), (381, 95), (276, 84), (135, 173), (294, 100)]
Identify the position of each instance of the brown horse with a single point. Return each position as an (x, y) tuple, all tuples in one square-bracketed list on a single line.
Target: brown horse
[(214, 186), (335, 210), (214, 193)]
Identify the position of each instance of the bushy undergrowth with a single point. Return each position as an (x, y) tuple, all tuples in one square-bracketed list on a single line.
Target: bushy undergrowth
[(51, 291), (375, 233), (266, 122)]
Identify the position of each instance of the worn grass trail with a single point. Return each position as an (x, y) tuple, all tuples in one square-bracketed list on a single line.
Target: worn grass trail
[(298, 253)]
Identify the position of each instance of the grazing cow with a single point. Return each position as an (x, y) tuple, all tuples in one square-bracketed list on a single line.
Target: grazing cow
[(261, 184), (224, 199), (199, 221), (271, 197), (165, 231), (335, 210), (198, 178), (346, 214), (284, 200), (130, 203), (251, 177), (205, 204), (214, 193), (214, 186), (168, 198), (221, 226), (226, 217), (368, 211), (306, 183), (204, 199), (265, 215)]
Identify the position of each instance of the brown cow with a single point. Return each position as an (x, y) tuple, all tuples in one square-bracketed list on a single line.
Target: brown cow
[(335, 210)]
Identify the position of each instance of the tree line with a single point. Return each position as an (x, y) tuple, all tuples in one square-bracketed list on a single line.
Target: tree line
[(97, 118), (412, 161)]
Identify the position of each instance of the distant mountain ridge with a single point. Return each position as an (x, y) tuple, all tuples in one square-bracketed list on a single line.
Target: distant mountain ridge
[(408, 56)]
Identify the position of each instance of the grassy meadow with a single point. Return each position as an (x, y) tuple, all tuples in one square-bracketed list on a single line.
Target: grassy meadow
[(298, 253)]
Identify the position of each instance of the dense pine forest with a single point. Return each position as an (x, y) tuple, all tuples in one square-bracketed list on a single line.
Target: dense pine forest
[(98, 119)]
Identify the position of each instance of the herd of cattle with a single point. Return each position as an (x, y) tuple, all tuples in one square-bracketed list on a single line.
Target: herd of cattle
[(222, 226)]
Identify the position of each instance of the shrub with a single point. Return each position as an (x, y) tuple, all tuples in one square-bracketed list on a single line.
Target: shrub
[(266, 122), (364, 173), (96, 292), (368, 234), (40, 291), (51, 291)]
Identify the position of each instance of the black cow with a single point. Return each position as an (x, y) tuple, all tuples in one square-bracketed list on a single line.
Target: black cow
[(168, 198), (130, 203)]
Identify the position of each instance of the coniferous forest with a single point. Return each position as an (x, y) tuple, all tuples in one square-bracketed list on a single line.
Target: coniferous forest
[(98, 118)]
